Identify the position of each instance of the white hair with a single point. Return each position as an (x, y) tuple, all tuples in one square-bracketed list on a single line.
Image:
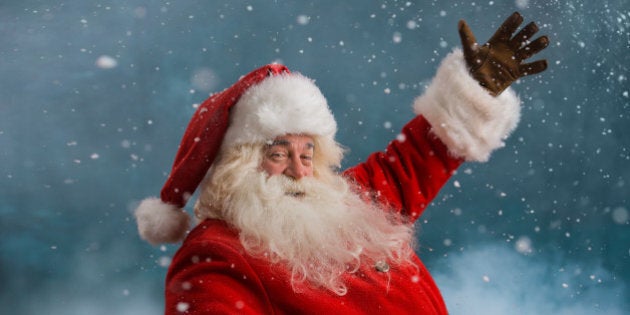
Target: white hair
[(326, 232)]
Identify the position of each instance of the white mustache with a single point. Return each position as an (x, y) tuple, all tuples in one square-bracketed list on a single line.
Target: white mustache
[(290, 186)]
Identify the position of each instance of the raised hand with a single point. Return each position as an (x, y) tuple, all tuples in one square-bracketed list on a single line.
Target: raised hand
[(499, 62)]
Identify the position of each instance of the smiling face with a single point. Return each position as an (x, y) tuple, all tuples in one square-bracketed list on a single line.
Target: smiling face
[(290, 207), (289, 155)]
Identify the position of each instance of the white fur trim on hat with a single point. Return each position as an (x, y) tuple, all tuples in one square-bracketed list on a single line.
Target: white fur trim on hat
[(471, 122), (159, 222), (279, 105)]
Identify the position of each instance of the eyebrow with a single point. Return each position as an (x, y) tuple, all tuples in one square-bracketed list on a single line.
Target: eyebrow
[(286, 143)]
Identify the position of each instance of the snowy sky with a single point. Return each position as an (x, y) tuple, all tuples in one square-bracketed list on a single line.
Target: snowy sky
[(94, 97)]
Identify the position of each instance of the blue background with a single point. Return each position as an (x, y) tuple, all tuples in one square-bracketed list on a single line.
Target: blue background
[(95, 95)]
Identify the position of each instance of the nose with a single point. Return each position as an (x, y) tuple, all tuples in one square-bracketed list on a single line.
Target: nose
[(296, 169)]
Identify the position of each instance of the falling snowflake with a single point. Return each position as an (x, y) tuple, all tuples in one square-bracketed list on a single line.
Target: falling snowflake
[(182, 307), (397, 37), (303, 19), (106, 62)]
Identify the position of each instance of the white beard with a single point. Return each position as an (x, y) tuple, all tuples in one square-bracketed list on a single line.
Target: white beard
[(319, 231)]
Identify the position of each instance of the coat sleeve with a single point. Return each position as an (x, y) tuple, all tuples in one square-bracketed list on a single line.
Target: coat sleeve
[(457, 120), (409, 173), (213, 278)]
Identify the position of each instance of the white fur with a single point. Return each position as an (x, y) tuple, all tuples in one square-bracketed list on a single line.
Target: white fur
[(159, 222), (470, 121), (326, 233), (279, 105)]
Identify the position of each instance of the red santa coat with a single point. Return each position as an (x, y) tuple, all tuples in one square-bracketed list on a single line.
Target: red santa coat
[(212, 274)]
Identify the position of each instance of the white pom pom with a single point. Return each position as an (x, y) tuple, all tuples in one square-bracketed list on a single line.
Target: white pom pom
[(159, 222)]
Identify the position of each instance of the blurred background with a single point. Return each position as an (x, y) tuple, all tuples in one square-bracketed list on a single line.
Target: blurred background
[(95, 96)]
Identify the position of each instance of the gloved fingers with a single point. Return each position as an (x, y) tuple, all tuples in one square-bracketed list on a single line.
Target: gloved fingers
[(524, 35), (505, 31), (533, 67), (532, 48), (469, 43)]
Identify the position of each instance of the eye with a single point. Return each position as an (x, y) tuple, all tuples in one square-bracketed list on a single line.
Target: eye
[(307, 159), (277, 156)]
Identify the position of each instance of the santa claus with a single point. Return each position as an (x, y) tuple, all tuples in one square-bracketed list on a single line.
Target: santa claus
[(280, 231)]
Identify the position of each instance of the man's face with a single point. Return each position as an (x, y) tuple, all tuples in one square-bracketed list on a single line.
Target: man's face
[(290, 155)]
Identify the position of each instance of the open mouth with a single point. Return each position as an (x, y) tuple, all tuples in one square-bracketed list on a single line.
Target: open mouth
[(295, 194)]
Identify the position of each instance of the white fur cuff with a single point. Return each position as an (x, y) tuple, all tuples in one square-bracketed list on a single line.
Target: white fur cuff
[(471, 122), (159, 222)]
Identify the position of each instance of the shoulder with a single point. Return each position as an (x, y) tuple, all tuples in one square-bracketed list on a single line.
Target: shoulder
[(211, 235), (210, 241), (212, 273), (212, 231)]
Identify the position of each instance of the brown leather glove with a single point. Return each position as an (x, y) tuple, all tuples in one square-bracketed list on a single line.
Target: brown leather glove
[(499, 62)]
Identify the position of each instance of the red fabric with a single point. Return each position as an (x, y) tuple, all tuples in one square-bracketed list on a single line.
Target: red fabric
[(410, 172), (212, 274), (204, 135)]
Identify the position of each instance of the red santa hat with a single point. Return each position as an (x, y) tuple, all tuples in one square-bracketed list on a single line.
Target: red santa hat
[(266, 103)]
